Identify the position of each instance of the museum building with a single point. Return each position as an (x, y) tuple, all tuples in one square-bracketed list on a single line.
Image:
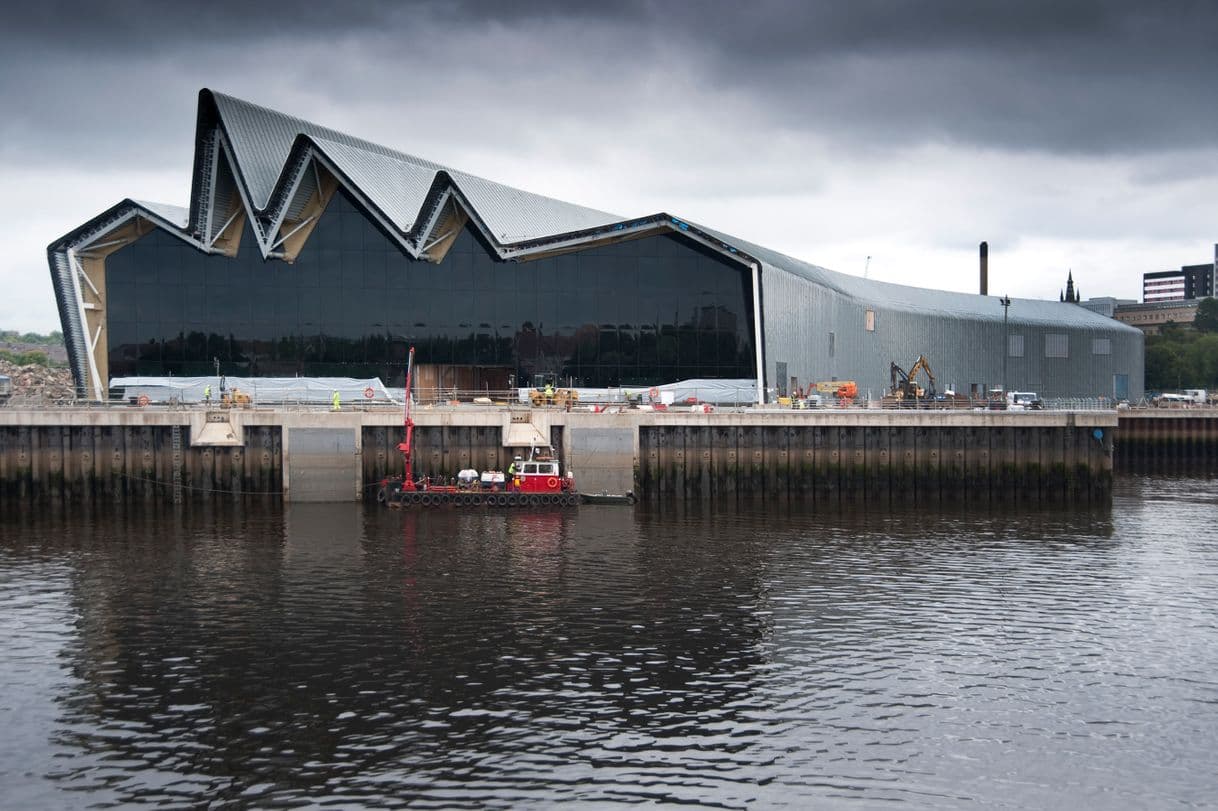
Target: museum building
[(308, 252)]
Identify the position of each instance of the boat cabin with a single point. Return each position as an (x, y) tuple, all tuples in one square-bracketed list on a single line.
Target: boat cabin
[(540, 474)]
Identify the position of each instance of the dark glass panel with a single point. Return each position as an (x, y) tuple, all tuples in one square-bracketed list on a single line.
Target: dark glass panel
[(352, 239), (628, 347), (351, 271), (120, 304), (461, 268), (308, 272), (637, 312)]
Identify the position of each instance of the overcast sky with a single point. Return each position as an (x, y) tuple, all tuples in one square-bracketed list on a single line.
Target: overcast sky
[(1071, 136)]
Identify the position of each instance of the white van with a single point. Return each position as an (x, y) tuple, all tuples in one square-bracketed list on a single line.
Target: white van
[(1023, 401)]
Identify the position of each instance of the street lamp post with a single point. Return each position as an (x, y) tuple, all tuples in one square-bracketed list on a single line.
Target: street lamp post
[(1005, 301)]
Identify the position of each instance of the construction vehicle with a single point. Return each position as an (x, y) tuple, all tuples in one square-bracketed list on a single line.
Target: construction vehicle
[(546, 393), (235, 399), (844, 390), (1024, 401), (559, 397), (905, 389)]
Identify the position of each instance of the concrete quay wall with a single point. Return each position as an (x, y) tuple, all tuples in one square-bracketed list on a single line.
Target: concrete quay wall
[(918, 457), (1168, 441)]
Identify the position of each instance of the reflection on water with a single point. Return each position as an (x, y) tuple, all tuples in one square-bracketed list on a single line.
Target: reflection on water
[(732, 658)]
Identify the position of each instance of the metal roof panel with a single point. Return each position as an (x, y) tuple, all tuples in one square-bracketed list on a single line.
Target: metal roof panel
[(928, 301), (397, 187), (395, 182), (176, 215)]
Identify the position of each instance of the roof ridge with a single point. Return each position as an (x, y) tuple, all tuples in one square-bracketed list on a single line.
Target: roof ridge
[(319, 132), (262, 140), (315, 130)]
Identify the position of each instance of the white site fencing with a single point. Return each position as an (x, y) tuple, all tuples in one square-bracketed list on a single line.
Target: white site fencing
[(317, 394), (467, 400)]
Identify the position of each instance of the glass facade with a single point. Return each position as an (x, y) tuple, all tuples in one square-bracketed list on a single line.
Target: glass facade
[(651, 310)]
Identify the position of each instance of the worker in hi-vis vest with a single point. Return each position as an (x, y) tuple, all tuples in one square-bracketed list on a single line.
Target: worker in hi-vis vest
[(336, 402)]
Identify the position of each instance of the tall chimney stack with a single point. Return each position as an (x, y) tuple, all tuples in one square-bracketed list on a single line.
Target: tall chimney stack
[(985, 268)]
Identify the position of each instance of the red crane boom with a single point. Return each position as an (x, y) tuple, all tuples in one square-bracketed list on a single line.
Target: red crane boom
[(408, 423)]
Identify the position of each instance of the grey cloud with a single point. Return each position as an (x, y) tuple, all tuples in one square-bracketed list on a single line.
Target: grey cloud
[(1069, 77)]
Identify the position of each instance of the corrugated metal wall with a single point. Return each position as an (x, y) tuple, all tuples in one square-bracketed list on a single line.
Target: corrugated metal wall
[(800, 316)]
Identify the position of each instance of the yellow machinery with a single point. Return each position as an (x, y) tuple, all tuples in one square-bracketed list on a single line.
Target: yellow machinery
[(905, 388), (235, 398), (560, 397), (844, 390)]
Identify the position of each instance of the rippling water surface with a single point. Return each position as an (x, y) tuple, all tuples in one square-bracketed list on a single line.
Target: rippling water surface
[(768, 658)]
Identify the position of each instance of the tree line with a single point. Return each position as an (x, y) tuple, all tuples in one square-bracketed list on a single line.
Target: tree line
[(1183, 358), (26, 356), (12, 336)]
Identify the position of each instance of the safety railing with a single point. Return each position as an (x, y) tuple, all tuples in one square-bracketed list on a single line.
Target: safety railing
[(602, 400)]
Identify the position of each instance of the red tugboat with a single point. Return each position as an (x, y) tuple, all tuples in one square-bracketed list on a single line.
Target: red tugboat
[(534, 482)]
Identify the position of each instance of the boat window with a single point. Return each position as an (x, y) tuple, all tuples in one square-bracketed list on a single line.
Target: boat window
[(551, 469), (530, 467)]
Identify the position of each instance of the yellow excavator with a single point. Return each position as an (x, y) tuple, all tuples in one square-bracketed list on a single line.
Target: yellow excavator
[(905, 388)]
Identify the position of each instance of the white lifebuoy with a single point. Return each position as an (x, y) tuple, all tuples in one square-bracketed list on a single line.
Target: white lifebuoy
[(653, 392), (143, 400), (551, 482), (369, 393)]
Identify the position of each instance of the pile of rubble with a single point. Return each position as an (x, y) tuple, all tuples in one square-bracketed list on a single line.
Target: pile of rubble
[(35, 382)]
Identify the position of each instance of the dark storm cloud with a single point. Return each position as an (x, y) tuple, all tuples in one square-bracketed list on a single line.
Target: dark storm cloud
[(1073, 77), (1070, 77), (1036, 74)]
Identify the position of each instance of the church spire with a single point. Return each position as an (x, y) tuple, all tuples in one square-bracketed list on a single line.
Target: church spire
[(1071, 295)]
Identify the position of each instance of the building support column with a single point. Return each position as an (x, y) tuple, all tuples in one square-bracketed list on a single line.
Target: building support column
[(757, 334), (77, 274)]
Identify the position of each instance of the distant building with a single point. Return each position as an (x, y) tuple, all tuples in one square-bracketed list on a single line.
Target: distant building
[(1189, 282), (1151, 317), (1106, 305)]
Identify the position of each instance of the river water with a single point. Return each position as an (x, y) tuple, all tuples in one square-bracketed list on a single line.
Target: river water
[(352, 657)]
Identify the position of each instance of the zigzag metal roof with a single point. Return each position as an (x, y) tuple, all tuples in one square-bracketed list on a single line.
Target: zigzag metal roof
[(395, 183)]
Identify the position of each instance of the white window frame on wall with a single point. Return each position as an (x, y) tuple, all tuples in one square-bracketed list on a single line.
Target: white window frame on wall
[(1015, 346)]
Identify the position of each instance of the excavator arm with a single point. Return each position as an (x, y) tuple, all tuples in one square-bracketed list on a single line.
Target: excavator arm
[(922, 364), (898, 376)]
